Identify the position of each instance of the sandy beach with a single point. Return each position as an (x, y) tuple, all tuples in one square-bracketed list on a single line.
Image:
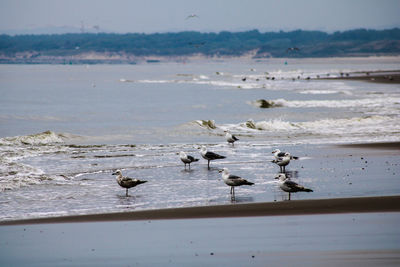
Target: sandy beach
[(347, 239), (297, 207), (355, 231)]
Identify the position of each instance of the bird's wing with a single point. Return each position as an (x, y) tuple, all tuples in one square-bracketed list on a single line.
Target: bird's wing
[(191, 158), (235, 138), (213, 155), (234, 177), (281, 154), (292, 185)]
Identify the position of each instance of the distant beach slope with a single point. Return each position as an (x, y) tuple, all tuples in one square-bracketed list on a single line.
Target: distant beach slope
[(90, 48), (297, 207)]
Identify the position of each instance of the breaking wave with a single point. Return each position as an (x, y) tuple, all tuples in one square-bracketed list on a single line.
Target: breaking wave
[(364, 126), (43, 138), (347, 103)]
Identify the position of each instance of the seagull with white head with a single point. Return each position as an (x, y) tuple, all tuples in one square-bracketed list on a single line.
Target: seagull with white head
[(233, 180), (127, 182)]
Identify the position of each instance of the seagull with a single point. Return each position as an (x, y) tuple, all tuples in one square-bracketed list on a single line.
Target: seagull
[(127, 182), (230, 138), (192, 16), (290, 49), (209, 155), (278, 154), (197, 45), (187, 159), (289, 186), (282, 161), (233, 180)]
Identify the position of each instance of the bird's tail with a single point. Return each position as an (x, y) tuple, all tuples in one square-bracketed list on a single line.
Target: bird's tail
[(307, 190), (248, 183), (195, 160), (141, 182), (221, 157), (294, 157)]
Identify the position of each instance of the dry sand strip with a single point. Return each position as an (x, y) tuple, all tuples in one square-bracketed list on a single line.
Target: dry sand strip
[(384, 145), (296, 207)]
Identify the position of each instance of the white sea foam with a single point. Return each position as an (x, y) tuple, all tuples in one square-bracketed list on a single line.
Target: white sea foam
[(343, 103), (44, 138), (363, 126)]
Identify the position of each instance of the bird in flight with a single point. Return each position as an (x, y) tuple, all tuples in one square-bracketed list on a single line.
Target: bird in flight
[(192, 16), (291, 49)]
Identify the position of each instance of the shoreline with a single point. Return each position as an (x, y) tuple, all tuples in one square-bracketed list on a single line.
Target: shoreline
[(373, 145), (294, 207), (390, 76)]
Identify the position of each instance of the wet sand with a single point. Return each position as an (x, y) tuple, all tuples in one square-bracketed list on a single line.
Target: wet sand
[(350, 239), (296, 207)]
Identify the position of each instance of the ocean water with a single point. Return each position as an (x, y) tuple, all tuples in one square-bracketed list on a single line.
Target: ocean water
[(65, 128)]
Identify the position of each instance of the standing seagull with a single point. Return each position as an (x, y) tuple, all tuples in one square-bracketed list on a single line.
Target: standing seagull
[(209, 155), (278, 154), (282, 162), (233, 180), (187, 159), (230, 138), (289, 186), (127, 182)]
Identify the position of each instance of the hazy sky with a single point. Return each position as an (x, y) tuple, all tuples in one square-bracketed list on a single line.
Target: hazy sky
[(213, 15)]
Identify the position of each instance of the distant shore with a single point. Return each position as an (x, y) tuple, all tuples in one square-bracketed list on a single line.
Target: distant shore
[(91, 58), (297, 207)]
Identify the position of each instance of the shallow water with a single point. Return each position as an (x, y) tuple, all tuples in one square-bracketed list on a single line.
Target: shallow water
[(137, 117)]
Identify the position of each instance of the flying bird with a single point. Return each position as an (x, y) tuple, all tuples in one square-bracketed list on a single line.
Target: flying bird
[(208, 155), (192, 16), (291, 49), (127, 182), (233, 180), (197, 45), (187, 159)]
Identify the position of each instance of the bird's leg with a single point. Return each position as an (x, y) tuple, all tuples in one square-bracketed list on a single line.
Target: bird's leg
[(189, 166), (289, 195), (208, 164), (127, 192), (284, 169)]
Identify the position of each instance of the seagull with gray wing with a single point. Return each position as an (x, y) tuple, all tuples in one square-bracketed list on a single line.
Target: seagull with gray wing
[(289, 186), (187, 159), (127, 182), (233, 180), (208, 155)]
